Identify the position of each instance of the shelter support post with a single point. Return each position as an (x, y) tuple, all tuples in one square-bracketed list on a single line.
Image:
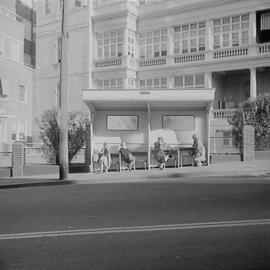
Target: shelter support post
[(148, 137), (208, 116)]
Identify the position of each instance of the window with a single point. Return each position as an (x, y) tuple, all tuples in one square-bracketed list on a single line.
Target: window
[(122, 122), (153, 44), (131, 43), (231, 31), (265, 21), (189, 38), (60, 7), (190, 81), (22, 93), (3, 130), (47, 7), (110, 44), (1, 45), (78, 3), (178, 122), (131, 83), (19, 131), (4, 87), (114, 83), (157, 83), (12, 49)]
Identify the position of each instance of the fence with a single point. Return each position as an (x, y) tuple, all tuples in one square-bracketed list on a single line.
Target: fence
[(5, 159), (36, 154), (226, 145)]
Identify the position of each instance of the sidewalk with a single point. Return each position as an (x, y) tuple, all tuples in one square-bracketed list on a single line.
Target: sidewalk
[(184, 174)]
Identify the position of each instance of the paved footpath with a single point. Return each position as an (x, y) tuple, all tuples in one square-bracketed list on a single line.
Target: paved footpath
[(237, 168)]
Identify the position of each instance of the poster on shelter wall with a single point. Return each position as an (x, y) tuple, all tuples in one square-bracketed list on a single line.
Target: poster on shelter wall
[(122, 122), (178, 122)]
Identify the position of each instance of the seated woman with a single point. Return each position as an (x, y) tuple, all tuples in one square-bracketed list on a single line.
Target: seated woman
[(199, 155), (105, 158), (126, 155), (160, 151)]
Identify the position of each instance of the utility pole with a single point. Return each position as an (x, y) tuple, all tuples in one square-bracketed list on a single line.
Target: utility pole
[(63, 134)]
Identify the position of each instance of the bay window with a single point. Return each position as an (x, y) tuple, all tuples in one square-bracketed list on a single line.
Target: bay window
[(114, 83), (154, 83), (110, 44), (153, 43), (231, 31), (189, 38), (189, 81)]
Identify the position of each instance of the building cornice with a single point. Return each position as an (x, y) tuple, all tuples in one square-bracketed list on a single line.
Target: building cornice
[(187, 8), (112, 15)]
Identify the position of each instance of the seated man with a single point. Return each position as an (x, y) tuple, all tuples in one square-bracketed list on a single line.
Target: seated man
[(126, 155)]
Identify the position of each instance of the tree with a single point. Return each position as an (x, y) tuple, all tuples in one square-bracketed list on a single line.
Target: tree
[(256, 113), (49, 134)]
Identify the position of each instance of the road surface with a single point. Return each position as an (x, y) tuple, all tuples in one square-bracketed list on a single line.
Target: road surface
[(155, 226)]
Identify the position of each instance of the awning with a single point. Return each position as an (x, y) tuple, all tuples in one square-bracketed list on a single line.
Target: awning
[(130, 99)]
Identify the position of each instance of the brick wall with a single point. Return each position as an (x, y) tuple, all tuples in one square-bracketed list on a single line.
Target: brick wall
[(248, 143)]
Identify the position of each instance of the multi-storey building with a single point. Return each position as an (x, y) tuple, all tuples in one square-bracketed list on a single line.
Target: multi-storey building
[(156, 68), (16, 77)]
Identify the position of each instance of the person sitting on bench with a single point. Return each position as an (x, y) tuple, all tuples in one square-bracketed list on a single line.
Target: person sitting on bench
[(160, 151), (199, 155), (126, 155)]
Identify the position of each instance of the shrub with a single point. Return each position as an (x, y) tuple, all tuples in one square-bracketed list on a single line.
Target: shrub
[(49, 134), (256, 113)]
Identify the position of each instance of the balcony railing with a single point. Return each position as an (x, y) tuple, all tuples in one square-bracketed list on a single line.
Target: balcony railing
[(223, 113), (230, 52), (186, 58), (153, 62), (263, 48), (214, 55), (108, 62)]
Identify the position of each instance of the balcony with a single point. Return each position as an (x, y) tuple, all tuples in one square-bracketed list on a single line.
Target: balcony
[(258, 50), (263, 48), (112, 62), (157, 61), (191, 57), (223, 113), (230, 52)]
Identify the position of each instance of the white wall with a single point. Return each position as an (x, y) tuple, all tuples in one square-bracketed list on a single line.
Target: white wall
[(137, 140), (175, 137)]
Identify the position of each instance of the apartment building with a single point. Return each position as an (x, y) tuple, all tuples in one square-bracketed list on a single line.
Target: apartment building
[(145, 69), (16, 77)]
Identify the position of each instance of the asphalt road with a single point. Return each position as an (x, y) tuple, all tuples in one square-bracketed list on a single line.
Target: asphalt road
[(78, 214)]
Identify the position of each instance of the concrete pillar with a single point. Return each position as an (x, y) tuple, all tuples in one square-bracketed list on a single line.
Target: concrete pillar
[(253, 83), (248, 143), (18, 158)]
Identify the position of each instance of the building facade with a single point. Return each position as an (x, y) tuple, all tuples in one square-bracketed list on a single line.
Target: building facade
[(145, 69), (16, 78)]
